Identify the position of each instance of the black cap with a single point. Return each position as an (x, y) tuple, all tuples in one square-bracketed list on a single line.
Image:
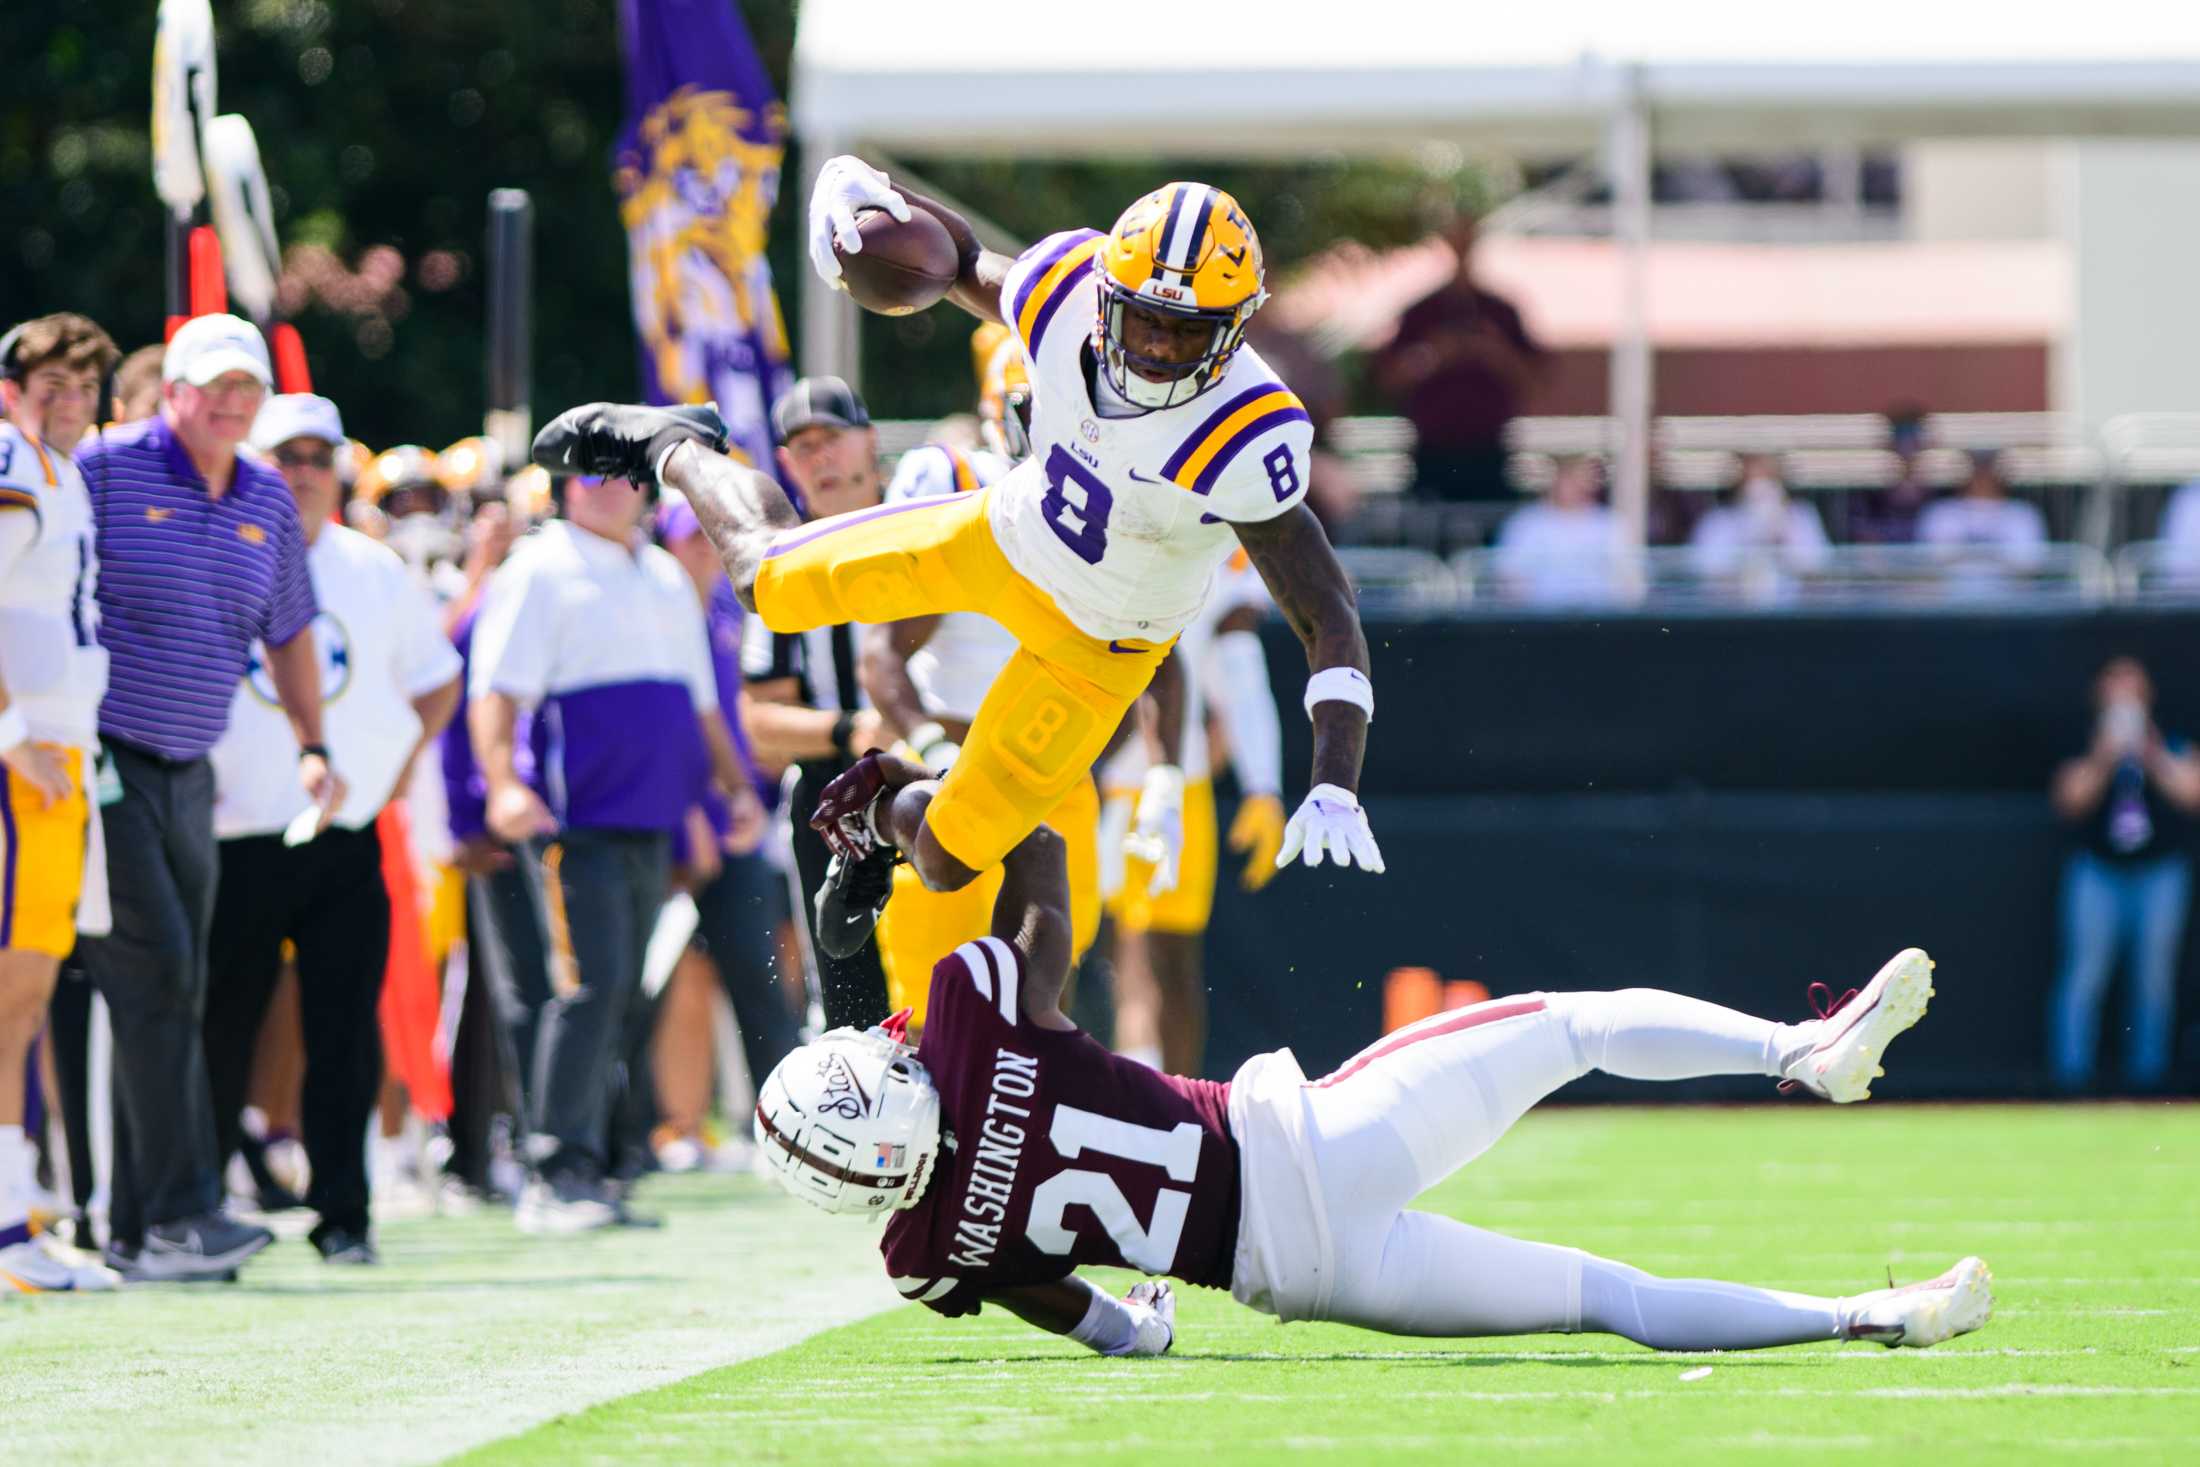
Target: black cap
[(818, 402)]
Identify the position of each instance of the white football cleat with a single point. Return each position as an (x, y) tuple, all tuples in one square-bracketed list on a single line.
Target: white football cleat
[(44, 1266), (1855, 1029), (1922, 1314)]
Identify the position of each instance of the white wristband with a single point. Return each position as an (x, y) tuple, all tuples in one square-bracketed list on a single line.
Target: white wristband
[(14, 727), (1341, 685)]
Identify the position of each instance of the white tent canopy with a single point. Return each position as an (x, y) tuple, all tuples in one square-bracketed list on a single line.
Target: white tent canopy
[(1288, 76), (1557, 78)]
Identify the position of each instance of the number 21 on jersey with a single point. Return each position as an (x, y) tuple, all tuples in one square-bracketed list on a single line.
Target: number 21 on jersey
[(1150, 1246)]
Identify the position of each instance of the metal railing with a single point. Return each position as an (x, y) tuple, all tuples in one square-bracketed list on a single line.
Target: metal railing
[(1846, 578)]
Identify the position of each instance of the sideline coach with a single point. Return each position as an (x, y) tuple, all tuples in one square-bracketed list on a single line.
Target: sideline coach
[(200, 553)]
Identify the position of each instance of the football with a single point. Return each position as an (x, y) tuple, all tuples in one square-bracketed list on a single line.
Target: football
[(901, 267)]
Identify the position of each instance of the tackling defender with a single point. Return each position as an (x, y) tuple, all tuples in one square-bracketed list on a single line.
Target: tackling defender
[(1161, 442), (1009, 1149)]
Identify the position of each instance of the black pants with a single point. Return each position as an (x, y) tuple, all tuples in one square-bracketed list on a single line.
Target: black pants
[(508, 945), (151, 969), (738, 922), (325, 897), (852, 989), (69, 1030), (602, 889)]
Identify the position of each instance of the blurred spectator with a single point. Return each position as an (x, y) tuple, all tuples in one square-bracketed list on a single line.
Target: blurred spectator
[(1981, 532), (389, 680), (1561, 550), (200, 554), (1760, 539), (1460, 366), (137, 385), (806, 704), (2128, 886), (2179, 534), (596, 635), (405, 484), (1889, 516)]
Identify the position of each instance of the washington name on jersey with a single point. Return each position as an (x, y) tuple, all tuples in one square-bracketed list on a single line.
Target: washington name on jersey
[(1060, 1153), (1123, 520)]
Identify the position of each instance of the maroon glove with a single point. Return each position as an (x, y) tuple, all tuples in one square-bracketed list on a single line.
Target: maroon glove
[(841, 808)]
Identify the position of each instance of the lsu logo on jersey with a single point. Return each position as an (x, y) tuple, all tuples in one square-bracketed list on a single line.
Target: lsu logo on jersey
[(331, 649)]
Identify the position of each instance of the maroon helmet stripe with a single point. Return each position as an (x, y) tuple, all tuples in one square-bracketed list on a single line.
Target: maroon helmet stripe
[(818, 1163)]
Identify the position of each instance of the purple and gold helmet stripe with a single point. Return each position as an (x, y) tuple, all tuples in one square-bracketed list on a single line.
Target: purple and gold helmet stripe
[(1046, 275), (1201, 460), (1186, 230)]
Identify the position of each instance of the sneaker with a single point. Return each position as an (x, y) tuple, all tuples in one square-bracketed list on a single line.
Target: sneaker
[(565, 1202), (43, 1266), (608, 438), (849, 903), (1855, 1029), (1918, 1315), (210, 1245), (342, 1245)]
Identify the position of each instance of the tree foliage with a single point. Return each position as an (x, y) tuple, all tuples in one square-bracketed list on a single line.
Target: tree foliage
[(384, 124)]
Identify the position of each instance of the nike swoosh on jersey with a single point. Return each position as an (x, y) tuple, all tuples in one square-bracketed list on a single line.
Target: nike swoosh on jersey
[(1144, 478)]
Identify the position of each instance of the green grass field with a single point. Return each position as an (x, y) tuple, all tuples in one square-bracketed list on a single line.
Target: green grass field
[(2089, 1215)]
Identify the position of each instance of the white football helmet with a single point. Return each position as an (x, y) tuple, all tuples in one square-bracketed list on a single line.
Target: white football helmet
[(851, 1123)]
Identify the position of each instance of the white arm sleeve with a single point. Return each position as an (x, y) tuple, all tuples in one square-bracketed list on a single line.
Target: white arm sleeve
[(1248, 707), (18, 532), (1113, 1326)]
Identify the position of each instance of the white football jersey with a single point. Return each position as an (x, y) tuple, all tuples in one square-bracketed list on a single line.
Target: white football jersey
[(953, 670), (1122, 521), (56, 670)]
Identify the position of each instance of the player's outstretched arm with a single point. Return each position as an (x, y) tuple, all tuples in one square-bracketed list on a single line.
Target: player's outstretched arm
[(1295, 559), (846, 186), (1032, 916), (1142, 1322)]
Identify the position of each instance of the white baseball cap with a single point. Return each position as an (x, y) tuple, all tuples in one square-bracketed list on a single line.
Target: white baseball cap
[(291, 415), (207, 346)]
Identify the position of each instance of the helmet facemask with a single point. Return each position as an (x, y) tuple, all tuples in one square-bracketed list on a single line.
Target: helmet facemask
[(1150, 382)]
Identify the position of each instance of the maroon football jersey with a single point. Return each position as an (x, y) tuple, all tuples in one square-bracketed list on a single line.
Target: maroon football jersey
[(1062, 1154)]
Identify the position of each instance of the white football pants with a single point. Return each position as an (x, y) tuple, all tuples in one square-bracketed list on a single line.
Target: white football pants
[(1414, 1108)]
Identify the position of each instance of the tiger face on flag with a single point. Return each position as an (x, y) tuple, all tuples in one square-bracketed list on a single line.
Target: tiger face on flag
[(697, 173)]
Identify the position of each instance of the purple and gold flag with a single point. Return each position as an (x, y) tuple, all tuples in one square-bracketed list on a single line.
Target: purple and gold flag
[(697, 172)]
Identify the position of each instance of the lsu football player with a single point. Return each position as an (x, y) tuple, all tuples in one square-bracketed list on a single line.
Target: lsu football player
[(53, 874), (1161, 911), (1009, 1149), (929, 675), (1161, 443)]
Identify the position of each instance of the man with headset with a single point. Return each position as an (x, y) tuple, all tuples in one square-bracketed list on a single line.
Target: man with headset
[(52, 675)]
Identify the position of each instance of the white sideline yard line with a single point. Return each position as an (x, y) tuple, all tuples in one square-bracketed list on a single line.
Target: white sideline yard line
[(469, 1332)]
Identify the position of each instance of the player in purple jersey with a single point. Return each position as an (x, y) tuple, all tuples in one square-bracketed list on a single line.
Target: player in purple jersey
[(1010, 1149)]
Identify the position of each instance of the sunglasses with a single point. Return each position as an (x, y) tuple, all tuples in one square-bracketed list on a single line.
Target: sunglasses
[(301, 458)]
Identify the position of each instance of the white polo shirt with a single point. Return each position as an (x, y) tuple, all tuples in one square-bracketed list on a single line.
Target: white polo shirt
[(604, 647), (380, 644)]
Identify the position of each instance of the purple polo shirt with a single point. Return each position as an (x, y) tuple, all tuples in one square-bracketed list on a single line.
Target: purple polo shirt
[(187, 582)]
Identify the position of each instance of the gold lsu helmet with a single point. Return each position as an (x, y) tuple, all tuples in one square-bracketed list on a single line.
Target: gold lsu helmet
[(1004, 391), (1188, 252)]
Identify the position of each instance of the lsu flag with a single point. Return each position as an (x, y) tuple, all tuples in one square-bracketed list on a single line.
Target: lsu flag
[(697, 171)]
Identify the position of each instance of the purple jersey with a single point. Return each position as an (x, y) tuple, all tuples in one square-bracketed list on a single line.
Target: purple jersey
[(1063, 1154)]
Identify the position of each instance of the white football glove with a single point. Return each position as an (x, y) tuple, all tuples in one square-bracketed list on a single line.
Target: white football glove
[(1153, 1305), (845, 185), (1157, 836), (1332, 822)]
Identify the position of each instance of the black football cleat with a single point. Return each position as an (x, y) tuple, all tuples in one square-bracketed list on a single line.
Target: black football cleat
[(849, 903), (622, 441)]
